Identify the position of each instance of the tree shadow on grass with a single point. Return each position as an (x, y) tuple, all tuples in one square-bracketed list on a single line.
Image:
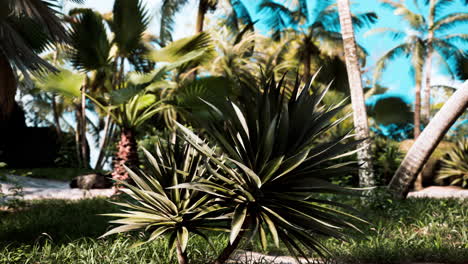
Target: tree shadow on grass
[(57, 220)]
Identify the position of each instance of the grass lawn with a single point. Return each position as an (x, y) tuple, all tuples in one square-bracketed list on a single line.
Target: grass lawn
[(416, 230), (62, 174)]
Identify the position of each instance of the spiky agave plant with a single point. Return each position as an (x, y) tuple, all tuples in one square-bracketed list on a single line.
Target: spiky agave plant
[(455, 165), (174, 213), (274, 171)]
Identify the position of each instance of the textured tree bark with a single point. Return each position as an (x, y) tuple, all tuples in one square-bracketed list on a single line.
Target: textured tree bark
[(366, 174), (56, 117), (202, 8), (102, 148), (126, 155), (7, 88), (79, 157), (423, 147), (426, 98), (417, 109), (181, 256), (83, 142)]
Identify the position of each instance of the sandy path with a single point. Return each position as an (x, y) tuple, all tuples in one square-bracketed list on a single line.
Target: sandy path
[(49, 189)]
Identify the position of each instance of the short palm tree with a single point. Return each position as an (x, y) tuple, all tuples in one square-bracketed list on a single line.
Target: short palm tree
[(455, 165), (128, 114), (428, 36), (27, 28)]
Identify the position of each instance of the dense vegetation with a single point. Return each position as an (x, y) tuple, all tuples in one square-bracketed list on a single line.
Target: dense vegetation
[(231, 138)]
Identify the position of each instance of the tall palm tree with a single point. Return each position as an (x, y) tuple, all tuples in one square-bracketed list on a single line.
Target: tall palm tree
[(27, 28), (428, 36), (366, 175), (317, 33), (425, 144)]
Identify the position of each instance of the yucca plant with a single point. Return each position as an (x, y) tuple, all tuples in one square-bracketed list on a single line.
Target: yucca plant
[(455, 165), (174, 213), (273, 171)]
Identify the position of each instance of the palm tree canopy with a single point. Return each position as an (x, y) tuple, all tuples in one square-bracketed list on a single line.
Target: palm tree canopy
[(445, 44)]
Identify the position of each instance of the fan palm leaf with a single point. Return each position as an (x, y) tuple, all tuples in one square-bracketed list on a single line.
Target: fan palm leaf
[(129, 22)]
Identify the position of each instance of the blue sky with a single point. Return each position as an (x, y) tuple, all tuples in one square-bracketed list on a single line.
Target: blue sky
[(397, 77)]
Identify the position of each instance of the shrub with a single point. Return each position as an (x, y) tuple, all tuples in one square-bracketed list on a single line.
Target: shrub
[(176, 213), (387, 159), (266, 178), (272, 172), (455, 165)]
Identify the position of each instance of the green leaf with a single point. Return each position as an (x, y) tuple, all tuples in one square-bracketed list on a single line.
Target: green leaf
[(240, 213), (183, 237)]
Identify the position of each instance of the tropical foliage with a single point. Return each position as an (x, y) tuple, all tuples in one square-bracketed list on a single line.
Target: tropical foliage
[(28, 28), (272, 172), (454, 166), (162, 211), (429, 35)]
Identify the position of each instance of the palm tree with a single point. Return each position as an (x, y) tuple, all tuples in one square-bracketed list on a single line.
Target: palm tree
[(169, 9), (27, 28), (91, 51), (425, 144), (428, 37), (129, 114), (366, 176), (319, 41)]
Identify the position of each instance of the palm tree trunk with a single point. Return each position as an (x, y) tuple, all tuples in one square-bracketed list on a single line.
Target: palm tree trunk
[(366, 174), (423, 147), (417, 109), (181, 256), (426, 99), (7, 88), (83, 143), (56, 117), (99, 162), (307, 60), (79, 156), (202, 8), (126, 155)]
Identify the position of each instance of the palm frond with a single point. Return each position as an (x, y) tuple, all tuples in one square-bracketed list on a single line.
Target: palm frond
[(90, 45), (381, 64), (278, 15), (416, 21), (395, 34), (239, 15), (450, 21), (65, 83), (169, 9), (440, 6), (130, 21), (43, 13), (196, 48)]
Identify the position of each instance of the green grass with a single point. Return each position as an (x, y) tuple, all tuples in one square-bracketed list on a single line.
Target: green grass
[(62, 174), (416, 230)]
